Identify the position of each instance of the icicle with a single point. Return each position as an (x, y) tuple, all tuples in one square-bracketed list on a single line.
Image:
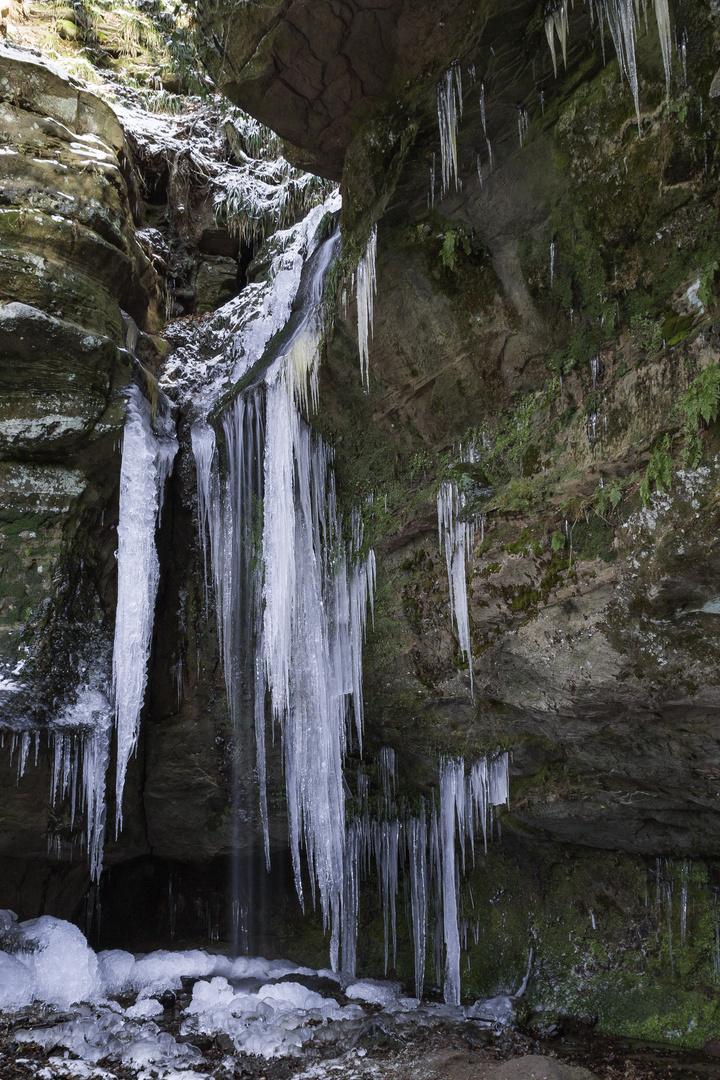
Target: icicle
[(621, 20), (202, 438), (552, 263), (550, 34), (366, 289), (293, 610), (452, 788), (146, 461), (662, 14), (386, 844), (23, 755), (417, 842), (482, 111), (457, 536), (449, 103), (354, 847), (557, 23)]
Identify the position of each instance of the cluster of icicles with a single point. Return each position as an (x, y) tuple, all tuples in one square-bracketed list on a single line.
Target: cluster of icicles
[(292, 591), (291, 594), (425, 846), (622, 17), (80, 736)]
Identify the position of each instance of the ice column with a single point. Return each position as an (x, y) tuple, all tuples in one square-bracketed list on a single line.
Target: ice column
[(457, 536), (417, 843), (146, 464), (366, 289), (452, 802), (449, 104)]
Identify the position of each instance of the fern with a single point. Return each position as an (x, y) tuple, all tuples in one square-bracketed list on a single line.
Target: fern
[(699, 403), (558, 540), (611, 494), (705, 293), (660, 470), (448, 249), (453, 238)]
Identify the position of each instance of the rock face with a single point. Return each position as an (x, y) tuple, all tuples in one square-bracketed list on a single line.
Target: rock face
[(71, 274), (557, 312), (313, 73)]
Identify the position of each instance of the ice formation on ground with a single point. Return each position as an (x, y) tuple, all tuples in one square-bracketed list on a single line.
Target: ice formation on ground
[(261, 1007)]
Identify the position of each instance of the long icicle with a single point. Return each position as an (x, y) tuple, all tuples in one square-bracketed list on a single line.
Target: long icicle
[(146, 465)]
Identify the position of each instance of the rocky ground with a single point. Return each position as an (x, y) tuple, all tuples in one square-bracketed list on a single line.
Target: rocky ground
[(467, 1052)]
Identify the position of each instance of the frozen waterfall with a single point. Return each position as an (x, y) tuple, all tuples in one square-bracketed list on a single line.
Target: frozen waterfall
[(291, 590)]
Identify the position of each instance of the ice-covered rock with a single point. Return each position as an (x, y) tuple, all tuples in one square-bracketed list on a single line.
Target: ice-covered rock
[(500, 1011), (7, 918), (375, 993), (63, 968), (116, 968), (17, 986), (163, 970)]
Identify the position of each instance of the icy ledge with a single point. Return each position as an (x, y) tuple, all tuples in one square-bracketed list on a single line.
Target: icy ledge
[(255, 1003)]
